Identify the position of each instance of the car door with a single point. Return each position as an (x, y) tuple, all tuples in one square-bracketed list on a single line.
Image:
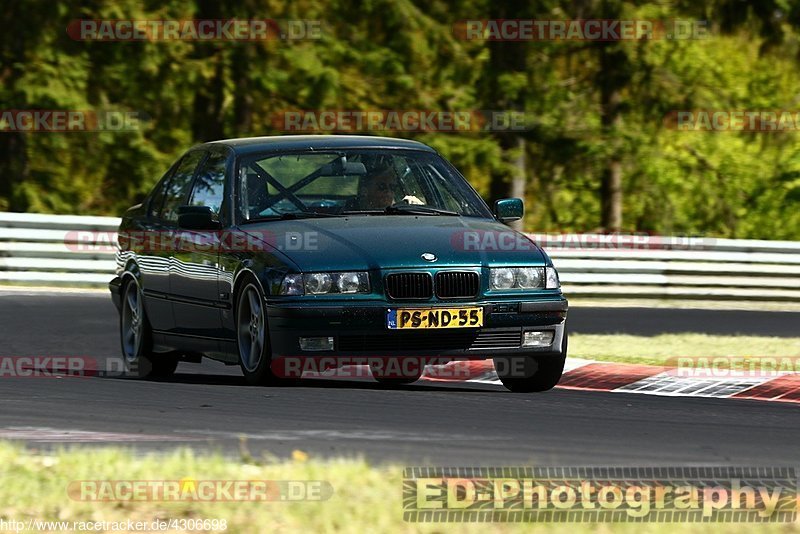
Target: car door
[(144, 241), (176, 194), (194, 275)]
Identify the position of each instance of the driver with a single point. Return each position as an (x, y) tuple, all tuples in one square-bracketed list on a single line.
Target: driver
[(381, 189)]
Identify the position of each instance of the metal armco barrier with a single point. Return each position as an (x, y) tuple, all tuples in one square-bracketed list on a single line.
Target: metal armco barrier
[(73, 250)]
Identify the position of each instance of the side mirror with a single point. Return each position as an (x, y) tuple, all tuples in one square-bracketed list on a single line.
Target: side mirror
[(508, 209), (197, 218)]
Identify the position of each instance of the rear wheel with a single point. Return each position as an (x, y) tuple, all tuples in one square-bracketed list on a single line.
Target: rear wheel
[(526, 374), (136, 338)]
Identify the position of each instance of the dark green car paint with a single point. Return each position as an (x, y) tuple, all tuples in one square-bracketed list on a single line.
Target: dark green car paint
[(190, 294)]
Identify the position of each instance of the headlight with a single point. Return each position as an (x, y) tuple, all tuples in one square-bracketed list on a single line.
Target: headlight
[(552, 278), (529, 277), (352, 282), (292, 284), (502, 278), (318, 283), (325, 283), (517, 278)]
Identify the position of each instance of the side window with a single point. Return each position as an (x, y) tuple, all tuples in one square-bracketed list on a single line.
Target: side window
[(449, 198), (209, 186), (178, 188), (157, 197), (411, 186)]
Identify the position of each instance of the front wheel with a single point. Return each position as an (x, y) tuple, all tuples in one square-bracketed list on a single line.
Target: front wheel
[(252, 339), (136, 339), (526, 374)]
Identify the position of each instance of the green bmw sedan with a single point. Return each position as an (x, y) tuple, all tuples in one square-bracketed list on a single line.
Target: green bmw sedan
[(273, 252)]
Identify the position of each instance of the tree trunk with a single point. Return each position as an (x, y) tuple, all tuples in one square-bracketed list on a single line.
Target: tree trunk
[(611, 77), (208, 120), (242, 62), (611, 196), (13, 169), (207, 113), (508, 57), (518, 179), (13, 145)]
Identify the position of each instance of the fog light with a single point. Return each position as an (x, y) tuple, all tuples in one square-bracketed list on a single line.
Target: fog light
[(316, 343), (537, 338)]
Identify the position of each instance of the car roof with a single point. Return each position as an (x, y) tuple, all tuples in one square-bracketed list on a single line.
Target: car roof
[(253, 145)]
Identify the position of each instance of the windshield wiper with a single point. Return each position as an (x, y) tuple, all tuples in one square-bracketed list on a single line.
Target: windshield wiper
[(363, 212), (292, 215), (416, 209), (402, 209)]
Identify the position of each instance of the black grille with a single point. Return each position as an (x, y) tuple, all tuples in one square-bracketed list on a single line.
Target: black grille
[(439, 340), (455, 284), (409, 286)]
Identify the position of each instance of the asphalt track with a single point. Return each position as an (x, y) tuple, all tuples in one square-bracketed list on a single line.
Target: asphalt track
[(209, 407)]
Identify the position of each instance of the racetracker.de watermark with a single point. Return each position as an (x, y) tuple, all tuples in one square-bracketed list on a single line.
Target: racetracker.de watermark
[(403, 120), (199, 490), (59, 120), (600, 494), (712, 367), (510, 241), (144, 241), (61, 366), (349, 367), (194, 30), (182, 524), (601, 30), (722, 120), (152, 241)]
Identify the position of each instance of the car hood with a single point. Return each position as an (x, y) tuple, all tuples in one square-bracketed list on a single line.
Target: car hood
[(395, 241)]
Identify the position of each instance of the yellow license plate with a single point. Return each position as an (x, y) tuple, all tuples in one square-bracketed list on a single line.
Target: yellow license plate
[(429, 318)]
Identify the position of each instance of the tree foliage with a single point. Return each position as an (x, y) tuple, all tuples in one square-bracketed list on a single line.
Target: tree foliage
[(598, 141)]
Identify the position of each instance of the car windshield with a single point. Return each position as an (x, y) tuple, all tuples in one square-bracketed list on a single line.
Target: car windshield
[(354, 182)]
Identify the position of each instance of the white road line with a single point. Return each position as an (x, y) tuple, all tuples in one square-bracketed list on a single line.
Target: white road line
[(361, 435), (667, 384), (46, 435)]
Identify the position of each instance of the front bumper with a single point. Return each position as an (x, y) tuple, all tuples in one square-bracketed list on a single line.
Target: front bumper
[(360, 330), (115, 286)]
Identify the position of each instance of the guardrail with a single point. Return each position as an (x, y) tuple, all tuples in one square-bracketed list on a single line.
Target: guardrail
[(40, 249)]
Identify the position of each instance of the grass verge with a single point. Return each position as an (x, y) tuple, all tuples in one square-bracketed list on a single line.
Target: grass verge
[(657, 350), (365, 498)]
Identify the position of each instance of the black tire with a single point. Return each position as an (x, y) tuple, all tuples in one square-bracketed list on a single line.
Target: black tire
[(136, 338), (255, 353), (393, 379), (527, 374)]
